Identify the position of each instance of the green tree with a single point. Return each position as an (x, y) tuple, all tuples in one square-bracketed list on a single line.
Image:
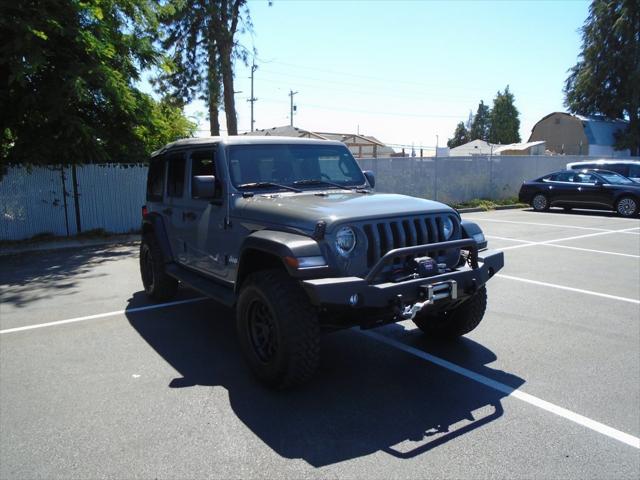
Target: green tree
[(606, 79), (460, 136), (69, 70), (504, 125), (481, 123), (200, 38)]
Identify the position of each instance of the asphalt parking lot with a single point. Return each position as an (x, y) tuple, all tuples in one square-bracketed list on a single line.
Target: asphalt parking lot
[(548, 386)]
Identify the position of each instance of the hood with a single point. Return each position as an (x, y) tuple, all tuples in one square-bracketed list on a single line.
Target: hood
[(304, 210)]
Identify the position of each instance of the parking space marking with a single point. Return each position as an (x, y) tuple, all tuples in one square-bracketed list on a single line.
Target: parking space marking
[(565, 239), (570, 289), (543, 244), (545, 224), (510, 391), (101, 315)]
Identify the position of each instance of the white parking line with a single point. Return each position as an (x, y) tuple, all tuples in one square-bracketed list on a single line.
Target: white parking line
[(544, 224), (570, 289), (506, 389), (565, 239), (101, 315), (548, 244)]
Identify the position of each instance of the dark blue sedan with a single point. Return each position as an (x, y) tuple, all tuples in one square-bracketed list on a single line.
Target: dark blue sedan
[(590, 188)]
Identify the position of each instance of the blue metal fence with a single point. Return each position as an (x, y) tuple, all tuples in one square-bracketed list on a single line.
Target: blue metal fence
[(47, 200)]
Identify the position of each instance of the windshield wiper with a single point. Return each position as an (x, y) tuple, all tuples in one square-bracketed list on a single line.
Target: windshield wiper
[(267, 185), (317, 181)]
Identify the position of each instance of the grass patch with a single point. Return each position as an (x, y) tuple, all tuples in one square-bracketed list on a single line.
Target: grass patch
[(487, 204)]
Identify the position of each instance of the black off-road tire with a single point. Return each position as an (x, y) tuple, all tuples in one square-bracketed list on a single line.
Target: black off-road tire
[(540, 202), (455, 323), (627, 206), (157, 284), (291, 354)]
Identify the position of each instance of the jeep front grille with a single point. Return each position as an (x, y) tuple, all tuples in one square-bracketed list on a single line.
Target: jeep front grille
[(406, 232)]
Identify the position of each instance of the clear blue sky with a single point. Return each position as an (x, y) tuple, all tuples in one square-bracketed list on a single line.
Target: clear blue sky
[(405, 71)]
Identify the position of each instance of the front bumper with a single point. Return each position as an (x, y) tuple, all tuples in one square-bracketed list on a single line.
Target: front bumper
[(337, 292)]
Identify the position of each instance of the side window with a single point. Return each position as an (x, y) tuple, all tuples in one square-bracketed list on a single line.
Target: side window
[(585, 178), (175, 176), (203, 163), (562, 177), (634, 171), (155, 180)]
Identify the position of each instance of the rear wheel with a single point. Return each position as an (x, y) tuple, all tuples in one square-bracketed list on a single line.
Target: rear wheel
[(278, 329), (157, 284), (627, 207), (455, 323), (540, 202)]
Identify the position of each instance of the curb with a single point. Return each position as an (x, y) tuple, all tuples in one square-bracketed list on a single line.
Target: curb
[(498, 207), (69, 244)]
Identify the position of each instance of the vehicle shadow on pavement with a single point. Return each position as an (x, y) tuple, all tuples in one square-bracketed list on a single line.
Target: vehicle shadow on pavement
[(367, 397), (577, 213), (32, 276)]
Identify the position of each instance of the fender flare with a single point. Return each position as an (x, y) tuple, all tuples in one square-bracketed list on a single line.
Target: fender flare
[(276, 245), (469, 229)]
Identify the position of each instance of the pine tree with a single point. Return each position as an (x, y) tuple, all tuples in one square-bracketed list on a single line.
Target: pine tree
[(460, 136), (505, 124), (481, 122), (606, 79)]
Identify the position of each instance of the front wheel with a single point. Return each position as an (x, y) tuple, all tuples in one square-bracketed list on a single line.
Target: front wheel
[(278, 329), (455, 323), (627, 207), (540, 202)]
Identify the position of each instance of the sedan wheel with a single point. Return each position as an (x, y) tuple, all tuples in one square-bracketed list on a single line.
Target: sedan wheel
[(627, 207), (540, 203)]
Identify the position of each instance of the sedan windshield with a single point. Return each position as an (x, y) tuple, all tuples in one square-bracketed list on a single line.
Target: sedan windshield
[(616, 178), (293, 165)]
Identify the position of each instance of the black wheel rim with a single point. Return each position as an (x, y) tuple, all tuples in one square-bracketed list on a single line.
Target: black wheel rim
[(262, 331), (147, 268)]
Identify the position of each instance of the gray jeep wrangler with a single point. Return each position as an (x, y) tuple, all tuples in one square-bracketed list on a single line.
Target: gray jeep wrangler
[(289, 232)]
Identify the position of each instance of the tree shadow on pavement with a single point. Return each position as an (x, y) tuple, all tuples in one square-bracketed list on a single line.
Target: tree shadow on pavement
[(32, 276), (367, 397)]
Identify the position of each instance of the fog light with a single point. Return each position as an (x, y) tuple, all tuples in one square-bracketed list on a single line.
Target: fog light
[(354, 299)]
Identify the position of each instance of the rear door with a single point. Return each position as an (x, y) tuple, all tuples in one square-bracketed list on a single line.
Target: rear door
[(176, 204)]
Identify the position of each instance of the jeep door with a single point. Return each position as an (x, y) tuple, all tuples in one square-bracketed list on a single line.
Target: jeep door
[(205, 231), (176, 203)]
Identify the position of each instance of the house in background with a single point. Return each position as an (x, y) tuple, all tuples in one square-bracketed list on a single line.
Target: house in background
[(480, 147), (359, 145), (577, 135)]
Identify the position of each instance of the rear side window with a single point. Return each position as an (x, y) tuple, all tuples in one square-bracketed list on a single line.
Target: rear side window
[(175, 176), (155, 180), (562, 177)]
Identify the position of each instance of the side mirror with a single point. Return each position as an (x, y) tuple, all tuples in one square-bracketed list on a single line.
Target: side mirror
[(203, 186), (371, 178)]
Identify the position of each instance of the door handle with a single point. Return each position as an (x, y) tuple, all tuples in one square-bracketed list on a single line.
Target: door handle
[(188, 216), (167, 211)]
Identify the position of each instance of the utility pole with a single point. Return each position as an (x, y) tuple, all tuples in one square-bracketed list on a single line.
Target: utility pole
[(252, 100), (293, 108)]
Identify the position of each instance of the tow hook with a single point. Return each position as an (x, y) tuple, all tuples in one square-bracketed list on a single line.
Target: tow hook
[(433, 293)]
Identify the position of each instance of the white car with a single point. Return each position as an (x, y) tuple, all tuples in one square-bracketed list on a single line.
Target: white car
[(628, 168)]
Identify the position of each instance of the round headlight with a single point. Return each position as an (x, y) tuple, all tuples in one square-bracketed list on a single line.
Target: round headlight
[(447, 226), (345, 241)]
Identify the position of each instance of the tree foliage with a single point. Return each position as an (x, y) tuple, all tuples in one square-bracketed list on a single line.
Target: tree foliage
[(504, 122), (199, 36), (460, 136), (68, 70), (606, 79), (481, 123)]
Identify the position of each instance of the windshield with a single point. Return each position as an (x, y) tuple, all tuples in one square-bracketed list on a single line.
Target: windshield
[(292, 164), (615, 178)]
